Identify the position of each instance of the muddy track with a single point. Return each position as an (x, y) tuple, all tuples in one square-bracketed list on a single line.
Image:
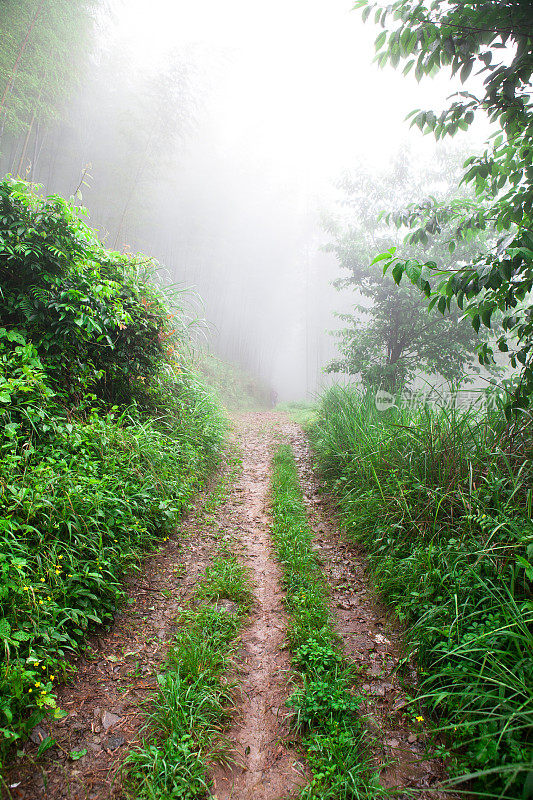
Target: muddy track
[(104, 698), (267, 768)]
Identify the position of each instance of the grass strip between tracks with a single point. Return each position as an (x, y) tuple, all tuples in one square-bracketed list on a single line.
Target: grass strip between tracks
[(185, 725), (326, 704)]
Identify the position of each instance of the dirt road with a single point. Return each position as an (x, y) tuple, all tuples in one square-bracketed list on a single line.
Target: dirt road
[(104, 698)]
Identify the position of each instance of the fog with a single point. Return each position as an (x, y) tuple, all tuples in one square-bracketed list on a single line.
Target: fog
[(212, 137)]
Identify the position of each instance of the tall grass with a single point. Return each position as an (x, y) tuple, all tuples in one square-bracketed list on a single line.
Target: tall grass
[(441, 500)]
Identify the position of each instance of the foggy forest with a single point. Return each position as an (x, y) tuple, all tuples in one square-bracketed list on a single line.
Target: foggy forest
[(266, 399)]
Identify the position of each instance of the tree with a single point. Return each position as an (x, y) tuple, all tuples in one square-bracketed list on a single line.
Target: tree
[(44, 46), (496, 38), (391, 338)]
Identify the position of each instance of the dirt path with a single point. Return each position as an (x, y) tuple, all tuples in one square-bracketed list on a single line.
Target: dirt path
[(104, 698), (269, 769)]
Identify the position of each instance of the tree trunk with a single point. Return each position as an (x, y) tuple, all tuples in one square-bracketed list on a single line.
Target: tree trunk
[(25, 147)]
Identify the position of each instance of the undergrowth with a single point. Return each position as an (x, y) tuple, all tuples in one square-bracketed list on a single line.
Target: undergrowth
[(326, 705), (441, 499), (105, 434), (194, 701)]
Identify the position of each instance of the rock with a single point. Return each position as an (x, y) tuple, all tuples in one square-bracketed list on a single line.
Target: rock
[(115, 741), (228, 606), (38, 734), (392, 742), (109, 720)]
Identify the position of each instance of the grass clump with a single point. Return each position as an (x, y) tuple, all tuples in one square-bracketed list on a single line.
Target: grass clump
[(441, 500), (325, 705), (193, 703), (105, 434)]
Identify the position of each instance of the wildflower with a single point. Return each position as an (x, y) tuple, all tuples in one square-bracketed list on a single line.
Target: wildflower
[(419, 719), (42, 580), (40, 602), (43, 666), (37, 684), (30, 690), (52, 677), (26, 588), (60, 557)]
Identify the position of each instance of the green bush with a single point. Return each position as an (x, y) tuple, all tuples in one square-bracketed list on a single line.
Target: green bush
[(441, 499), (105, 436)]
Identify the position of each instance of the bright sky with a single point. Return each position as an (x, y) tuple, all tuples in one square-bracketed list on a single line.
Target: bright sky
[(297, 94)]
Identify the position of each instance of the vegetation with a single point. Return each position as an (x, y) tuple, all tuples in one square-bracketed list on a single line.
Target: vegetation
[(44, 50), (105, 436), (236, 388), (326, 708), (441, 499), (390, 338), (496, 39), (302, 412)]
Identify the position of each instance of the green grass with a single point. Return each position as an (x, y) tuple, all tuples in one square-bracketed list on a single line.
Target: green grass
[(301, 412), (193, 703), (441, 501), (325, 705)]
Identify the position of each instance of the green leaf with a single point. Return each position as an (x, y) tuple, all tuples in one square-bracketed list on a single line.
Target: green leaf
[(380, 40), (77, 754)]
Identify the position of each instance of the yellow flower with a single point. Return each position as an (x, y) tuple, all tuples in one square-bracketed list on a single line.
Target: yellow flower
[(40, 602), (30, 691), (60, 557), (52, 677), (419, 719), (42, 580), (26, 588), (43, 666), (37, 684)]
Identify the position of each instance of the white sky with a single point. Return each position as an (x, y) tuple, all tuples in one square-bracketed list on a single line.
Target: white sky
[(297, 94)]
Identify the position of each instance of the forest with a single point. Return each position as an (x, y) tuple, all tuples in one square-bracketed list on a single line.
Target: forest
[(266, 400)]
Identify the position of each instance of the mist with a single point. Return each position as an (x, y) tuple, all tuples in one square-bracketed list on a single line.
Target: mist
[(214, 139)]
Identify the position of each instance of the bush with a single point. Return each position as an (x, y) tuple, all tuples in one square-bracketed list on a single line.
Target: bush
[(105, 436)]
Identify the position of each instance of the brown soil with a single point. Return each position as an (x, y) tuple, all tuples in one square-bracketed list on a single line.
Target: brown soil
[(267, 768)]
